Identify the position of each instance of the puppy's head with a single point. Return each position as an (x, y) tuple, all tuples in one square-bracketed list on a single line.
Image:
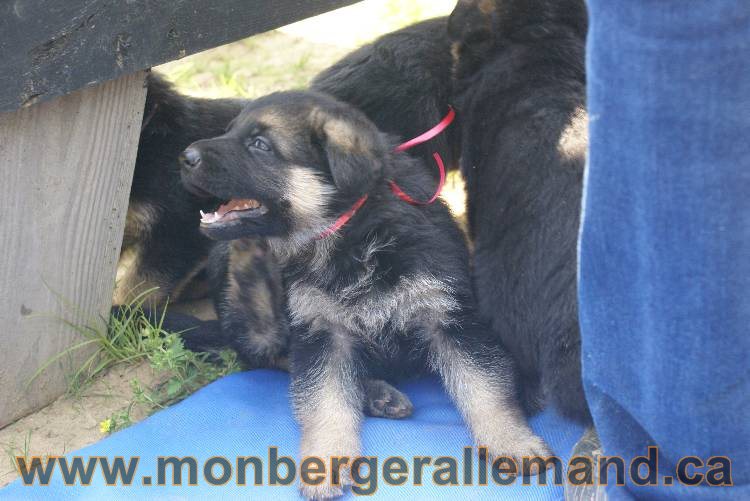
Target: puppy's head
[(476, 26), (471, 27), (289, 164)]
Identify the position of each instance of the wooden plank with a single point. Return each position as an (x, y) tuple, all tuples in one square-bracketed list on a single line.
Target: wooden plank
[(66, 168), (49, 48)]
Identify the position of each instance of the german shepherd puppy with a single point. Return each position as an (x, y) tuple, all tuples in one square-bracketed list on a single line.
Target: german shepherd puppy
[(402, 81), (372, 285), (163, 246), (520, 90)]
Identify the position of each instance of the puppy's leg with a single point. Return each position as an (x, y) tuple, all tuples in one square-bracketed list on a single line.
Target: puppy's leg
[(383, 400), (561, 375), (251, 302), (480, 377), (327, 398)]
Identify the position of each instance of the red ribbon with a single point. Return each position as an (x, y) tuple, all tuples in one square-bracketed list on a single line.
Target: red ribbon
[(427, 136), (340, 222), (432, 133)]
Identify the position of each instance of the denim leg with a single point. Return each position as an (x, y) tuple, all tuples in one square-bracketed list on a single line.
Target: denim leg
[(665, 240)]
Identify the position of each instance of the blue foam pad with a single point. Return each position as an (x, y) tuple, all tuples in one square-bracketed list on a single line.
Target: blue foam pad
[(244, 414)]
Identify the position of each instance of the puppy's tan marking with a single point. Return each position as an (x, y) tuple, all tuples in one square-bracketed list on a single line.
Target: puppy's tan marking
[(487, 7), (139, 220), (129, 283), (329, 413), (273, 119), (344, 136), (363, 312), (308, 194), (493, 416), (573, 142), (340, 133), (281, 129)]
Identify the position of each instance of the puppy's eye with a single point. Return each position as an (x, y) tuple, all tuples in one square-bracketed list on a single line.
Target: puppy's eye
[(259, 143)]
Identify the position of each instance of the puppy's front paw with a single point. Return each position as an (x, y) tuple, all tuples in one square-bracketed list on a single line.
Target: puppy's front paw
[(383, 400), (521, 444), (323, 491), (337, 477)]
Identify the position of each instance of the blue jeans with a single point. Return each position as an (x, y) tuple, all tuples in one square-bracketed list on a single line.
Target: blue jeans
[(665, 240)]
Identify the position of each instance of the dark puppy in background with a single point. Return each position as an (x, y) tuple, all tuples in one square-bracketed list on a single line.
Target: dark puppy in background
[(163, 248), (386, 289), (520, 91)]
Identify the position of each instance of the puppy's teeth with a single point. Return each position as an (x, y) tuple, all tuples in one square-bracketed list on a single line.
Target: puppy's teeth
[(203, 214)]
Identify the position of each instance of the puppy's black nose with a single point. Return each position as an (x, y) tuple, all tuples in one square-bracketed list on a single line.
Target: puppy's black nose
[(190, 158)]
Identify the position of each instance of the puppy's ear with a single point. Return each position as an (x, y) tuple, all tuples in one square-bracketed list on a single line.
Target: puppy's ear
[(353, 149)]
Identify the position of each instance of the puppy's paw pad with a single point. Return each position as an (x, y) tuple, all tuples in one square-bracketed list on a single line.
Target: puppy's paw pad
[(383, 400), (320, 492)]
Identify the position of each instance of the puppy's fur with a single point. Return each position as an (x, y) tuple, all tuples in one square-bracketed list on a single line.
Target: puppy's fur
[(520, 90), (388, 292), (162, 246), (401, 81)]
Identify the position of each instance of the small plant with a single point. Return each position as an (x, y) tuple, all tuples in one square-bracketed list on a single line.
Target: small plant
[(12, 451), (132, 336)]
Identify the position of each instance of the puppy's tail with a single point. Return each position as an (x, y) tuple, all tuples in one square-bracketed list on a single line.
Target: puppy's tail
[(202, 336)]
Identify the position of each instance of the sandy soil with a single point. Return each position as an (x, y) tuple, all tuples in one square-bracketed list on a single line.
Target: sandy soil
[(71, 423)]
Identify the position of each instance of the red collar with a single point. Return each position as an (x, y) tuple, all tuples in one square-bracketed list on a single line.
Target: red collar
[(427, 136), (340, 222)]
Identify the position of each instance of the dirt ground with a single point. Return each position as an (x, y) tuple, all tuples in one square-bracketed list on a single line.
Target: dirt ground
[(73, 422), (283, 59), (70, 423)]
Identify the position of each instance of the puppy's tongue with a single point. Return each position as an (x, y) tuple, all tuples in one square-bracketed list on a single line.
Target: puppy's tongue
[(225, 210)]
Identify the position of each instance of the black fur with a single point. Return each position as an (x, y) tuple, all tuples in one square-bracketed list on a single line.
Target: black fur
[(402, 82), (520, 84), (166, 241), (390, 292)]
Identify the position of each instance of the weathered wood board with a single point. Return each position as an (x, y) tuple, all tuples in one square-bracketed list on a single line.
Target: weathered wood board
[(49, 48), (66, 168)]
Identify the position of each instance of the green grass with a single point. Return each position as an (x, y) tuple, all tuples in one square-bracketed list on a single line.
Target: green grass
[(133, 337), (13, 451)]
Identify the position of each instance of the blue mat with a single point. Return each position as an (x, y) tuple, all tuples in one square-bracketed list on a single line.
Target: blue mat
[(245, 414)]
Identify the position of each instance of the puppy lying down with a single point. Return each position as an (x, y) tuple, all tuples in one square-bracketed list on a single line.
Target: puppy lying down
[(372, 285)]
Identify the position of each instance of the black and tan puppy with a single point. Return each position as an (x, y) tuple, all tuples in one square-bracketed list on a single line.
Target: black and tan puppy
[(401, 81), (164, 247), (372, 284), (520, 90)]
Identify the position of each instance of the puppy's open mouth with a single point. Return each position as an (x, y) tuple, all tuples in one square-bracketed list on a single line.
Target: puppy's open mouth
[(232, 211)]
